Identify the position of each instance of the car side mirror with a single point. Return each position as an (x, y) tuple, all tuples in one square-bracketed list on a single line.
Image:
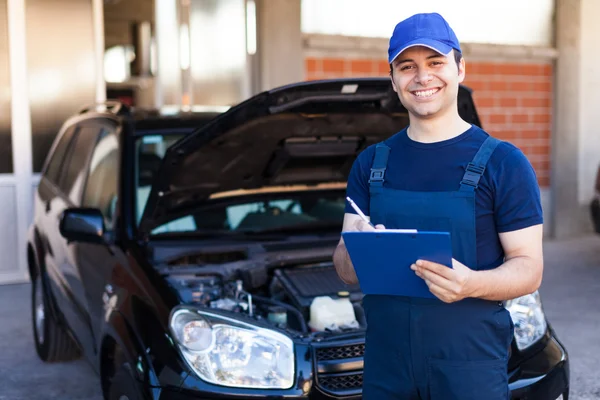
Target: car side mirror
[(82, 225)]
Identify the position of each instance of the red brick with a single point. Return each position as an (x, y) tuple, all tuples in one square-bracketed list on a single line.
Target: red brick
[(364, 67), (508, 102), (313, 77), (542, 86), (498, 86), (537, 165), (544, 181), (333, 65), (546, 70), (486, 68), (541, 166), (509, 69), (472, 68), (530, 69), (519, 86), (383, 68), (519, 118), (505, 135), (530, 134), (544, 118), (476, 85), (311, 65), (497, 118), (535, 102), (484, 101), (545, 133), (540, 149)]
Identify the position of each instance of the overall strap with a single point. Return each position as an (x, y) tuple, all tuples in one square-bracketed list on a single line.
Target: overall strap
[(475, 168), (376, 178)]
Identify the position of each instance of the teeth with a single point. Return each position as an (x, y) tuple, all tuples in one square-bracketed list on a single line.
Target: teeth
[(426, 93)]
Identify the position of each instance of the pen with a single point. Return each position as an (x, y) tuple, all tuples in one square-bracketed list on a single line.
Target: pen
[(358, 211)]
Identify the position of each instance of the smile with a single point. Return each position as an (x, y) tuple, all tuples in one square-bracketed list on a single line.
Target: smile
[(425, 93)]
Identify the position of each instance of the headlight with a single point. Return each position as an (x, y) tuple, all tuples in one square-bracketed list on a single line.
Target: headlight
[(227, 352), (529, 319)]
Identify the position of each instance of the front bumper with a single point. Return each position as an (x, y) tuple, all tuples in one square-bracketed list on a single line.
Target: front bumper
[(595, 213), (544, 376)]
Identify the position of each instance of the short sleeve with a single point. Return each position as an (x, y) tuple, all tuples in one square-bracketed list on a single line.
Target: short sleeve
[(358, 184), (517, 202)]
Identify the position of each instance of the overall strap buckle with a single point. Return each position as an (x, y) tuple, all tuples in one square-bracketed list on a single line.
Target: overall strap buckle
[(472, 175), (476, 168), (377, 175)]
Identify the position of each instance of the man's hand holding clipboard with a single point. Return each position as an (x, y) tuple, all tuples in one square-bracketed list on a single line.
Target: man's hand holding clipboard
[(447, 284)]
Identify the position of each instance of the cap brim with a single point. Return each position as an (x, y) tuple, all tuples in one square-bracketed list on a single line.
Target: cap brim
[(435, 45)]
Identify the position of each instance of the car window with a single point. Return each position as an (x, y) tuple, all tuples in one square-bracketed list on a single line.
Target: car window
[(151, 150), (52, 172), (102, 179), (73, 173)]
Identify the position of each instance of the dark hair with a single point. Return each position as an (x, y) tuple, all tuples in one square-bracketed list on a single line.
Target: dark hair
[(457, 57)]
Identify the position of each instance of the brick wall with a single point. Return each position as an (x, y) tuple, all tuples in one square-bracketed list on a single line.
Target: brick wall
[(514, 100)]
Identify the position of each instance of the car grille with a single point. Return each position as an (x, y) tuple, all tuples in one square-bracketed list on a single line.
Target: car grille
[(339, 367), (341, 383), (340, 352)]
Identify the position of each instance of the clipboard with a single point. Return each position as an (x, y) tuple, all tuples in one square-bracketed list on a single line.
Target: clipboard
[(382, 259)]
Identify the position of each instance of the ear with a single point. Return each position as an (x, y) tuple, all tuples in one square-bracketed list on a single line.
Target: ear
[(461, 70), (393, 83)]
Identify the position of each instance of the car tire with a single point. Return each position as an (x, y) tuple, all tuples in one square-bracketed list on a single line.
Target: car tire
[(124, 386), (52, 342)]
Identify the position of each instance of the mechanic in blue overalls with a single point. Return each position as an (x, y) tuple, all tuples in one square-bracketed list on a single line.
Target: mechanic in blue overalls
[(443, 174)]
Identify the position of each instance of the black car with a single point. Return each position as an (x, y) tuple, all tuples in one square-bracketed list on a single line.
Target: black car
[(595, 204), (189, 256)]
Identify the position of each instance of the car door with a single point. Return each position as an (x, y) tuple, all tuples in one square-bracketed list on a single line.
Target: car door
[(70, 187), (49, 203), (95, 262)]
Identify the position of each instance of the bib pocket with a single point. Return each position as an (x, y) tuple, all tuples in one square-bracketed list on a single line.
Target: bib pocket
[(468, 380)]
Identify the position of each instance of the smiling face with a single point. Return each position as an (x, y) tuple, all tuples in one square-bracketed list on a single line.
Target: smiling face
[(427, 82)]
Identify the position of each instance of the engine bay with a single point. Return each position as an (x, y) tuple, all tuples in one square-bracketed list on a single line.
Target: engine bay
[(304, 297)]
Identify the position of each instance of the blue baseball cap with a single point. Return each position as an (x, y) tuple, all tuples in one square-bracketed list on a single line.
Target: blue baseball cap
[(429, 30)]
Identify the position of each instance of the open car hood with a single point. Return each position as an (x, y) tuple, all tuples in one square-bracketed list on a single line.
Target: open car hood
[(307, 133)]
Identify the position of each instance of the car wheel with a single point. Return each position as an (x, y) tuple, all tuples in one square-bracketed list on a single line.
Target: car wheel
[(52, 342), (124, 386)]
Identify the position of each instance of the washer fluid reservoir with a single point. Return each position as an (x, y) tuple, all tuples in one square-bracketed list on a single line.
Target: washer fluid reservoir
[(331, 314)]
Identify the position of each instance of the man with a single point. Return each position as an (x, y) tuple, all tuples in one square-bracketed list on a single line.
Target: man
[(442, 173)]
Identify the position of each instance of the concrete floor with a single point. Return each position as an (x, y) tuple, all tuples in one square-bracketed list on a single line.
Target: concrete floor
[(570, 291)]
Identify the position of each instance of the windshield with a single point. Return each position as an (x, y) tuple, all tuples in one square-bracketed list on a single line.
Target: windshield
[(239, 213)]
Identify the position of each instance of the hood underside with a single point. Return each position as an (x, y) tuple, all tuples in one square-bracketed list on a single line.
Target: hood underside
[(308, 133)]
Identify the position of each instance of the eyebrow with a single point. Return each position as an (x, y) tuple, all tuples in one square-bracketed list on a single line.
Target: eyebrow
[(411, 60)]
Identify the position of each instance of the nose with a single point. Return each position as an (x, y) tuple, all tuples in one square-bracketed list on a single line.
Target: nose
[(423, 76)]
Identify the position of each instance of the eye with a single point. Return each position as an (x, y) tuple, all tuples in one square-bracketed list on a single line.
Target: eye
[(405, 67), (436, 63)]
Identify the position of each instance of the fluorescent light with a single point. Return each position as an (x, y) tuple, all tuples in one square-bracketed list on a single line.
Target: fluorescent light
[(184, 46), (251, 27)]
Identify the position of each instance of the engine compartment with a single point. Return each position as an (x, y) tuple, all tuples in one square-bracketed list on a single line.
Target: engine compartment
[(301, 297)]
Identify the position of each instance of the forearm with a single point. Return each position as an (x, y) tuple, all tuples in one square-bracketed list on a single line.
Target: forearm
[(343, 265), (515, 278)]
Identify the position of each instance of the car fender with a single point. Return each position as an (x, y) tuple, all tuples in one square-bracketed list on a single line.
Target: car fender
[(34, 251), (133, 327), (118, 329)]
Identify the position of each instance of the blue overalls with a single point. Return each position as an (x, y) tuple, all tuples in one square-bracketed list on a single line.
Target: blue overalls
[(426, 349)]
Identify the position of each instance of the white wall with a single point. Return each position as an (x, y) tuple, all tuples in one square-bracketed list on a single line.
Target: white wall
[(516, 22), (589, 99)]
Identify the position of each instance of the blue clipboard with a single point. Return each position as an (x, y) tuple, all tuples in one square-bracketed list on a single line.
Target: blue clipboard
[(382, 259)]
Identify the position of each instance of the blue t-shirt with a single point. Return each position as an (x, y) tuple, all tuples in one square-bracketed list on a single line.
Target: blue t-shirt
[(507, 198)]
